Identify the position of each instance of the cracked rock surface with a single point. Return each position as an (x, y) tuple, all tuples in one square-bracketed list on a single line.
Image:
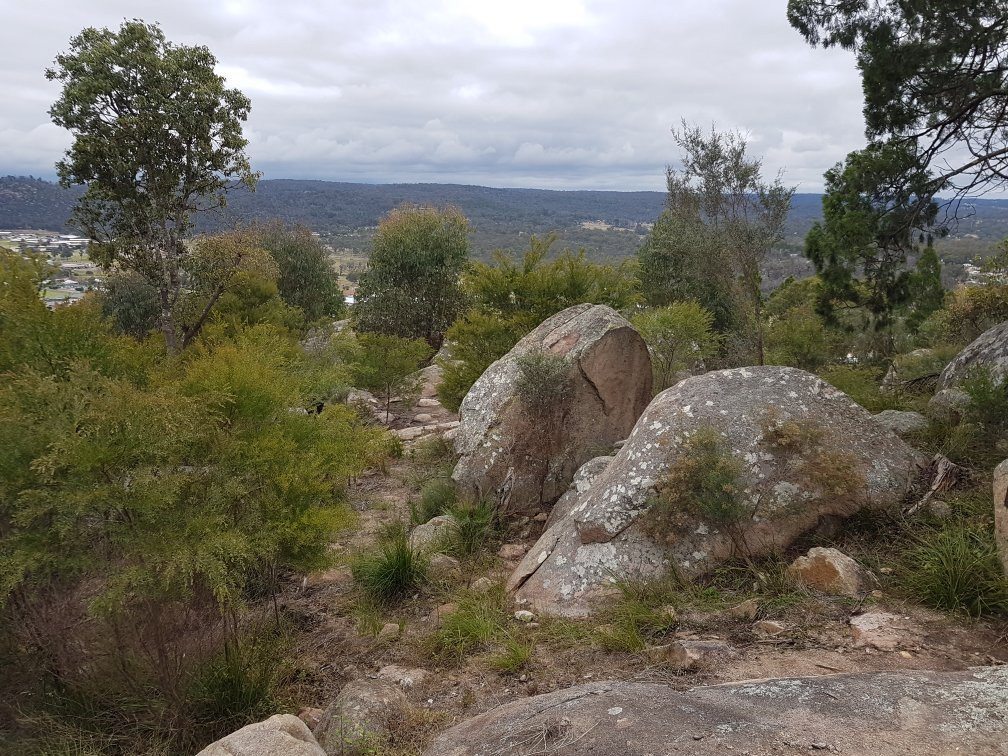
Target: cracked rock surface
[(524, 460), (867, 714)]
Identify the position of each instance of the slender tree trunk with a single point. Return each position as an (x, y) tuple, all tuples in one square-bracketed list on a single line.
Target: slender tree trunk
[(168, 322)]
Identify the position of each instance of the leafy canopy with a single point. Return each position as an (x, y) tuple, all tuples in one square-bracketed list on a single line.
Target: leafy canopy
[(157, 137)]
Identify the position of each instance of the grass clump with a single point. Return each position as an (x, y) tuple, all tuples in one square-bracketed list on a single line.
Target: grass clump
[(479, 621), (393, 569), (644, 611), (437, 497), (704, 480), (956, 568), (512, 657), (473, 529)]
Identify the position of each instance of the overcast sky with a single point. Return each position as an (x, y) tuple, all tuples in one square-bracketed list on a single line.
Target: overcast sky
[(557, 94)]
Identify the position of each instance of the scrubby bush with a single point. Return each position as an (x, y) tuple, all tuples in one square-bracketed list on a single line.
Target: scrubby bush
[(542, 380), (679, 337), (862, 383), (472, 529), (704, 480), (437, 497), (479, 622)]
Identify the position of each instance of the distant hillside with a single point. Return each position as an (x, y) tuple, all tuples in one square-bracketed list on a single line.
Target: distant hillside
[(345, 213)]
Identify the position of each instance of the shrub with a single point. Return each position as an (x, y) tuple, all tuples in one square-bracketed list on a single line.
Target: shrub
[(472, 529), (393, 570), (679, 337), (956, 568), (704, 481), (862, 383), (437, 497), (542, 380)]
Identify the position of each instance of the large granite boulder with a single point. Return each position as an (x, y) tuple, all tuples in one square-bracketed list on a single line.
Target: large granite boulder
[(800, 450), (989, 350), (523, 457), (357, 723), (867, 714), (1001, 512), (280, 735)]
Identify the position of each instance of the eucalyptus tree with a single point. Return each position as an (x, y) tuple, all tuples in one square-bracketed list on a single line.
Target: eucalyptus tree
[(157, 138)]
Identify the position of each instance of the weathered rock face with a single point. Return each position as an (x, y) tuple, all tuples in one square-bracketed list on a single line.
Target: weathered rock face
[(280, 735), (1001, 512), (805, 451), (583, 480), (901, 422), (989, 349), (357, 722), (948, 405), (522, 459), (895, 713)]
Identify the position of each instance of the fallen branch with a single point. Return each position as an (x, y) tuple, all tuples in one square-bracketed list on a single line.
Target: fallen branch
[(946, 474)]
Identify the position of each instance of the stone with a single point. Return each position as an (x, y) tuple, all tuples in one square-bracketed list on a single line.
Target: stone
[(388, 632), (481, 585), (829, 571), (948, 405), (523, 459), (511, 551), (607, 536), (444, 568), (361, 397), (280, 735), (1001, 512), (748, 610), (861, 714), (403, 677), (524, 615), (311, 716), (988, 350), (690, 655), (429, 379), (426, 402), (442, 611), (769, 627), (423, 418), (881, 630), (410, 434), (432, 534), (901, 423), (358, 719)]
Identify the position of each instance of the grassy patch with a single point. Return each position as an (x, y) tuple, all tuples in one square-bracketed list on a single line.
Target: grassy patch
[(514, 655), (473, 529), (862, 383), (393, 569), (437, 497)]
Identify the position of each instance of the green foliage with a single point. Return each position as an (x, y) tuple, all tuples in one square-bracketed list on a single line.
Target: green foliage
[(927, 294), (306, 278), (968, 312), (473, 528), (868, 228), (393, 570), (703, 480), (542, 380), (956, 568), (411, 288), (511, 297), (385, 364), (437, 497), (932, 78), (800, 338), (252, 299), (157, 136), (512, 657), (479, 622), (862, 383), (679, 337), (131, 303), (722, 220)]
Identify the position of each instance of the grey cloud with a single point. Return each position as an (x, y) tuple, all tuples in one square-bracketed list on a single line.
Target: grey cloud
[(556, 94)]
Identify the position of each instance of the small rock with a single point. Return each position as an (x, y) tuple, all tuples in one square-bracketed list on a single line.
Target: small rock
[(524, 615), (481, 585), (769, 627), (948, 405), (906, 654), (389, 631), (540, 517), (886, 570), (409, 434), (939, 509), (691, 655), (358, 720), (428, 402), (280, 734), (511, 551), (401, 676), (310, 716), (440, 612), (431, 534), (900, 422), (423, 418), (444, 568), (747, 610), (829, 571), (876, 630)]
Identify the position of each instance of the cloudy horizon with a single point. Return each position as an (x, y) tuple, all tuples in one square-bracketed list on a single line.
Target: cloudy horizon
[(567, 94)]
